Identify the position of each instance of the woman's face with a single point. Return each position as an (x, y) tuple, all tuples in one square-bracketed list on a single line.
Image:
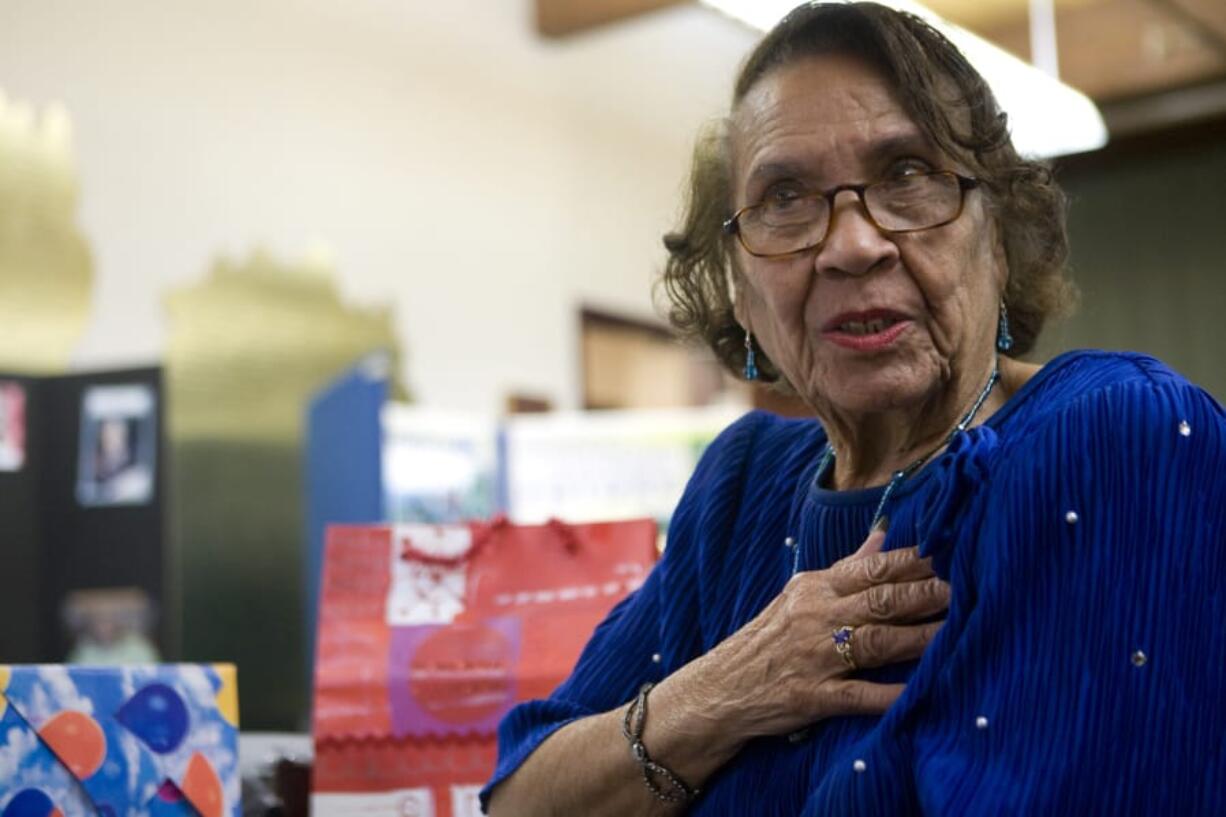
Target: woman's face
[(826, 121)]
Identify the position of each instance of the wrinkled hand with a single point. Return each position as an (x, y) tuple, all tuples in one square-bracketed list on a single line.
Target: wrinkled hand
[(781, 671)]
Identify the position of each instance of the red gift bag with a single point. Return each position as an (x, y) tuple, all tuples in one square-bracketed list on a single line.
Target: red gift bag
[(429, 634)]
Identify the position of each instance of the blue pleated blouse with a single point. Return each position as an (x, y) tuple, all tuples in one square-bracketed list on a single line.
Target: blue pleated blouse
[(1082, 666)]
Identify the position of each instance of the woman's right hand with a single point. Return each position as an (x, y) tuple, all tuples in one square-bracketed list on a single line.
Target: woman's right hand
[(781, 671)]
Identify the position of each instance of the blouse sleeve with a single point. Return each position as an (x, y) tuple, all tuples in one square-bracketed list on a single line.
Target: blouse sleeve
[(638, 641), (1082, 669)]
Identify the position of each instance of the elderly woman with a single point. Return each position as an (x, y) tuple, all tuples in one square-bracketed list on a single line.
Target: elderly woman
[(973, 586)]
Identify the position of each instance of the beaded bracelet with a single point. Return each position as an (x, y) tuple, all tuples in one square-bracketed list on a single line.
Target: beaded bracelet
[(632, 728)]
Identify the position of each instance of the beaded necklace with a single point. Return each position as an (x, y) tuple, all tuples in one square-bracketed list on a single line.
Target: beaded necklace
[(900, 476)]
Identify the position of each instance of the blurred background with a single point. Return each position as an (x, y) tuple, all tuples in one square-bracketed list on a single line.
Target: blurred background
[(240, 241)]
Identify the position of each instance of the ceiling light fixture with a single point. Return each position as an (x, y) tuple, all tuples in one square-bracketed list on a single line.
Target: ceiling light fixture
[(1046, 117)]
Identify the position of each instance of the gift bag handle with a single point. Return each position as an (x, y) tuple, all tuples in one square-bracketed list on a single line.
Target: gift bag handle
[(482, 535)]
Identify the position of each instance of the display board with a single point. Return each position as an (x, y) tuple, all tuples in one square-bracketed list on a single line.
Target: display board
[(595, 465), (440, 466), (81, 500), (343, 460)]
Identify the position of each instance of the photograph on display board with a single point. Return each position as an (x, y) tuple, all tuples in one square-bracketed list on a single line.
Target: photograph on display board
[(118, 453), (12, 426)]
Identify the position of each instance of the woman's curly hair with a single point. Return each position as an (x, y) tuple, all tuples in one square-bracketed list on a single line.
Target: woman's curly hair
[(954, 107)]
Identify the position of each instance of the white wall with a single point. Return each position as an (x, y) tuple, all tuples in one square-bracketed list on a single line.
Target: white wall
[(483, 181)]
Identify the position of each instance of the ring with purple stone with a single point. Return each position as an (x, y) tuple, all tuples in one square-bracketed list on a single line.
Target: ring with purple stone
[(842, 645)]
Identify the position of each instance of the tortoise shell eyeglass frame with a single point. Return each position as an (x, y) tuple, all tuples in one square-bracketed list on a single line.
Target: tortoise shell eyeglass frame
[(732, 226)]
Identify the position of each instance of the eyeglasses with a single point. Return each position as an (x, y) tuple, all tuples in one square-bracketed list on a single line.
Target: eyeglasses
[(786, 226)]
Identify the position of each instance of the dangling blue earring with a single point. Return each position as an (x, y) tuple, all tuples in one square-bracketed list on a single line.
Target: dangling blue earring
[(1004, 341), (751, 367)]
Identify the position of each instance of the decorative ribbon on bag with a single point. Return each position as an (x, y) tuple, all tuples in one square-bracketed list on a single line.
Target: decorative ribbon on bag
[(481, 535)]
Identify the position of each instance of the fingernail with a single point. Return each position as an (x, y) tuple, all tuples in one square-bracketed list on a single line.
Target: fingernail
[(882, 523)]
